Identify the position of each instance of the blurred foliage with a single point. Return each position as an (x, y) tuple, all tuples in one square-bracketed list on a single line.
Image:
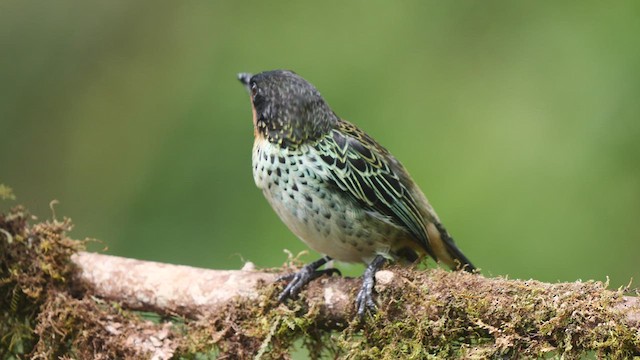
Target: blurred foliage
[(520, 120)]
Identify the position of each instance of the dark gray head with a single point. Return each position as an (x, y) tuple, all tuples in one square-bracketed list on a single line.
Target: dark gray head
[(288, 110)]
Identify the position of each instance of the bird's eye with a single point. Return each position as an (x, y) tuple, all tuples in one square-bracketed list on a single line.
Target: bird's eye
[(254, 90)]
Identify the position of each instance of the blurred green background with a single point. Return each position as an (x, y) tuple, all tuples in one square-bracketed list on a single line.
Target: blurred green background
[(520, 121)]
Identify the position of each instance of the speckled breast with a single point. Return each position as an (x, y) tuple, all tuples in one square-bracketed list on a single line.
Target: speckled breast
[(296, 184)]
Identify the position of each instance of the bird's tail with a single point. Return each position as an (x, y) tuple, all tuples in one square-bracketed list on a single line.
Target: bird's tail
[(461, 261)]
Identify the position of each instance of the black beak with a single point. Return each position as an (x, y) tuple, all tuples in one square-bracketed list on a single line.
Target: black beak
[(245, 78)]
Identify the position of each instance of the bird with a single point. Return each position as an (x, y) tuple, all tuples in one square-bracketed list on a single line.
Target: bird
[(336, 188)]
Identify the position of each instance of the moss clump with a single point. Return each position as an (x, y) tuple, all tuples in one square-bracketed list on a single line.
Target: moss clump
[(245, 329), (439, 314), (34, 261), (42, 315), (433, 314)]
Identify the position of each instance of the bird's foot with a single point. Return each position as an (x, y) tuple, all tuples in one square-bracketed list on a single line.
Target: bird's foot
[(364, 300), (301, 278)]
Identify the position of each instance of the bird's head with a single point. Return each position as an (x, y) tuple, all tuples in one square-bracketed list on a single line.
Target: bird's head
[(287, 109)]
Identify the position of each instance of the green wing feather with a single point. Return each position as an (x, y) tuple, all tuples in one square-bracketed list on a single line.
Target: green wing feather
[(373, 177)]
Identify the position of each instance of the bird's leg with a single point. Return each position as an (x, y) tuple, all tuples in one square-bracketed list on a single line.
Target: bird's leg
[(303, 277), (364, 300)]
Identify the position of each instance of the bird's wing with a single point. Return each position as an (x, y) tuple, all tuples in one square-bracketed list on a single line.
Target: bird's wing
[(365, 170)]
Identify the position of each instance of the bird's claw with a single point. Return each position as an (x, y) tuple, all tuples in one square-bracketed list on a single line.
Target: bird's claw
[(298, 280), (364, 300)]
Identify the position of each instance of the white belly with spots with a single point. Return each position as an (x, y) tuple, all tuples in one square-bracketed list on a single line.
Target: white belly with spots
[(294, 183)]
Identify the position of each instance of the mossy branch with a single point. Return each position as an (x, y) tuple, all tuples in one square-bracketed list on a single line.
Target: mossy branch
[(507, 313), (57, 301), (194, 292)]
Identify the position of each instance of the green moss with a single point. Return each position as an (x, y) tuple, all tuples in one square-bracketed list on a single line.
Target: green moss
[(33, 262), (41, 315), (453, 315)]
